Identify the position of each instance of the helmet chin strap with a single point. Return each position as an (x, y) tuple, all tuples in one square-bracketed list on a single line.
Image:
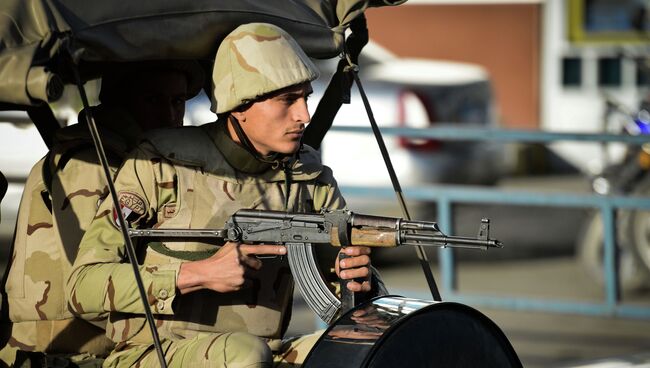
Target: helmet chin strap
[(275, 159)]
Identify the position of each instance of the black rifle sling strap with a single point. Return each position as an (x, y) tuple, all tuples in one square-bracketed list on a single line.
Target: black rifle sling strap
[(323, 117), (338, 90), (422, 256)]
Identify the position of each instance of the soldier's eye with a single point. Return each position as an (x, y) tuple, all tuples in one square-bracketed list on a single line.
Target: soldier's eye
[(289, 101)]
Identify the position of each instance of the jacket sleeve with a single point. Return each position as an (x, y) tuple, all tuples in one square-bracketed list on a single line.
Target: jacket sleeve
[(102, 278)]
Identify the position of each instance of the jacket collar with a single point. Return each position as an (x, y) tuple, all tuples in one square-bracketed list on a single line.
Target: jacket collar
[(236, 155)]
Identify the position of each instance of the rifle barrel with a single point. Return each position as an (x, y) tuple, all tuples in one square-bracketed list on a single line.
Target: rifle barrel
[(453, 241)]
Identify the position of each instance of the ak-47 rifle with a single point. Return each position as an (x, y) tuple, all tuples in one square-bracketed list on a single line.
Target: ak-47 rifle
[(299, 231)]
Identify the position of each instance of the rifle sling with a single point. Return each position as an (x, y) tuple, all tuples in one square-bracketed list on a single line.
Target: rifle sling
[(338, 90)]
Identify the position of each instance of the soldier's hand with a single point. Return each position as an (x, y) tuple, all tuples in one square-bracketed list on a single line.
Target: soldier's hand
[(357, 265), (228, 270)]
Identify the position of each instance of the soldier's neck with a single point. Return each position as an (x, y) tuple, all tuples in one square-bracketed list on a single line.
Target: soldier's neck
[(235, 154)]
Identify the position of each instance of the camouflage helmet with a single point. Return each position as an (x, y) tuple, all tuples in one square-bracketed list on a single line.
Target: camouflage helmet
[(256, 59)]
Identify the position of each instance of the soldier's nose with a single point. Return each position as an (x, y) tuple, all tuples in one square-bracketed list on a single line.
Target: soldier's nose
[(301, 112)]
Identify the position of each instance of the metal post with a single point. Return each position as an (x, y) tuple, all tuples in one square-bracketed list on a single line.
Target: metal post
[(447, 262), (610, 257)]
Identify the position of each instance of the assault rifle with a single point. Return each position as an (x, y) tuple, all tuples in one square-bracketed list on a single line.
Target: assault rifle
[(299, 231)]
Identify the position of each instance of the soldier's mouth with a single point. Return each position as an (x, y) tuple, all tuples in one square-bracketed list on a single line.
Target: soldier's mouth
[(297, 133)]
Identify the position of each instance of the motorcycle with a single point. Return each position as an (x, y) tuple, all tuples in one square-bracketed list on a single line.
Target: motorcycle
[(629, 175)]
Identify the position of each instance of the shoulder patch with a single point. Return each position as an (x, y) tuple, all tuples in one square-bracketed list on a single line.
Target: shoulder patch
[(132, 206), (132, 201)]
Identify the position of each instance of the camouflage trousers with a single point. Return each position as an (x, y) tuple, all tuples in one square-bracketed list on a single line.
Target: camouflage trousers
[(71, 339), (232, 350)]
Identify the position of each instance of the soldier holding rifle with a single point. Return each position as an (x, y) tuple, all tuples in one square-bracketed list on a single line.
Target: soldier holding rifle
[(224, 307)]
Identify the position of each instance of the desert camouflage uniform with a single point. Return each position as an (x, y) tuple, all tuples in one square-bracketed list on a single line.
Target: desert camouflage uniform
[(59, 201), (195, 177)]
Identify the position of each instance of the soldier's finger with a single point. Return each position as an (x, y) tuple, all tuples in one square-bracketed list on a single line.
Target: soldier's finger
[(354, 273), (357, 287), (229, 246), (263, 249), (365, 286), (356, 250), (352, 262)]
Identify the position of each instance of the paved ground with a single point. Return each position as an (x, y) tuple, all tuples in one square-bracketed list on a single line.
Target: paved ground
[(540, 339)]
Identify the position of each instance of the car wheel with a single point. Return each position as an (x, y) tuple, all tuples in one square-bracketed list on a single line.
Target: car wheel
[(635, 229), (590, 253)]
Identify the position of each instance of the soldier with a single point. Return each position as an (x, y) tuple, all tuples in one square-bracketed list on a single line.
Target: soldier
[(60, 199), (225, 307)]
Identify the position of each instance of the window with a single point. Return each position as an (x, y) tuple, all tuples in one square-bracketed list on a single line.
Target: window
[(609, 21), (643, 72), (571, 72), (609, 72)]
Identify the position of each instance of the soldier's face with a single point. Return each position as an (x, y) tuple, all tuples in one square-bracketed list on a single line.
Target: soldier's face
[(157, 99), (276, 123)]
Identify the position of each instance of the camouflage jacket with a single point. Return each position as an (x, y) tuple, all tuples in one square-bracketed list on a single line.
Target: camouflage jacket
[(193, 177), (60, 199)]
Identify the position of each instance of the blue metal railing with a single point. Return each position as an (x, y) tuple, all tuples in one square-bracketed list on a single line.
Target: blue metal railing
[(449, 132), (445, 196)]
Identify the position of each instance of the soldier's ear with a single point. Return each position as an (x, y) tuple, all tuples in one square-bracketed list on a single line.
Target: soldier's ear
[(239, 115)]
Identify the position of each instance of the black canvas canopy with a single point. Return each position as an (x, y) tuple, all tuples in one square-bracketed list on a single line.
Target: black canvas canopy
[(40, 38)]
